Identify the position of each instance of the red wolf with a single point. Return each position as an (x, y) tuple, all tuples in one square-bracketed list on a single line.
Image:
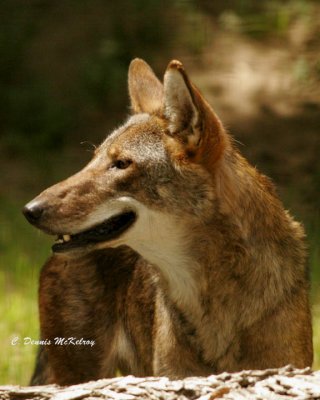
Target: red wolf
[(174, 255)]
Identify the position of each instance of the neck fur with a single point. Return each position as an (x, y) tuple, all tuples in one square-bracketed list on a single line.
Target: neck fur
[(167, 248)]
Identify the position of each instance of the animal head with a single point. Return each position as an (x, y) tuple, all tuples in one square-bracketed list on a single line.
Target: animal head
[(147, 176)]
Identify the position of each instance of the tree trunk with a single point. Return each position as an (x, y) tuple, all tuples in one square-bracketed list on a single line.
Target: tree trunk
[(276, 384)]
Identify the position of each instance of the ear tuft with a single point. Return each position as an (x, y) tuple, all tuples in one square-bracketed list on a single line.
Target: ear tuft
[(175, 64), (145, 89)]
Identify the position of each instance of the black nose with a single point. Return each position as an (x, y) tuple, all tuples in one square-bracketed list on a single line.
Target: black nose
[(33, 211)]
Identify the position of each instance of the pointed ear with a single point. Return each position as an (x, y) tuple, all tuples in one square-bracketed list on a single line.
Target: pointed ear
[(179, 105), (191, 119), (145, 89)]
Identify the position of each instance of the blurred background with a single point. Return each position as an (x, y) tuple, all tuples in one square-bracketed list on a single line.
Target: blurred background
[(63, 72)]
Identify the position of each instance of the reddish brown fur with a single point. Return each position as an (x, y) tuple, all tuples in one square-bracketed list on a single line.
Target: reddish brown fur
[(234, 294)]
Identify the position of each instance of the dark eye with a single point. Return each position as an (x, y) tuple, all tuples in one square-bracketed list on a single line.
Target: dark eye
[(121, 164)]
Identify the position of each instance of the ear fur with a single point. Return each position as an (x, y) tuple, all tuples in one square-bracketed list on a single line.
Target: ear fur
[(179, 105), (191, 119), (145, 89)]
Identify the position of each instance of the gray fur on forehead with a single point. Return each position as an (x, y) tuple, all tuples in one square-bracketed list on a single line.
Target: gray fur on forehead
[(144, 146), (136, 119), (132, 120)]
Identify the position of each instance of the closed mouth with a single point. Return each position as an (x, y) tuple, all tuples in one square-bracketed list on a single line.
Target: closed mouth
[(108, 230)]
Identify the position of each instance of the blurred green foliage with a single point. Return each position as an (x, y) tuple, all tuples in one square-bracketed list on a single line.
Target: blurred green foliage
[(63, 64), (265, 17), (29, 115)]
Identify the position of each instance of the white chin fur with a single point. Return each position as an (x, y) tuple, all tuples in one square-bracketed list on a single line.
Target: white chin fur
[(159, 238)]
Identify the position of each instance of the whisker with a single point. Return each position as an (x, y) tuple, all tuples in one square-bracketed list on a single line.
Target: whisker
[(92, 148)]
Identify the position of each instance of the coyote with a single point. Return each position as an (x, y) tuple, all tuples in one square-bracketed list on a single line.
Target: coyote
[(174, 256)]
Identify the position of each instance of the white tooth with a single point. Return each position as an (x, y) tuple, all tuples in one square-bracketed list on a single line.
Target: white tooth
[(59, 241), (66, 238)]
